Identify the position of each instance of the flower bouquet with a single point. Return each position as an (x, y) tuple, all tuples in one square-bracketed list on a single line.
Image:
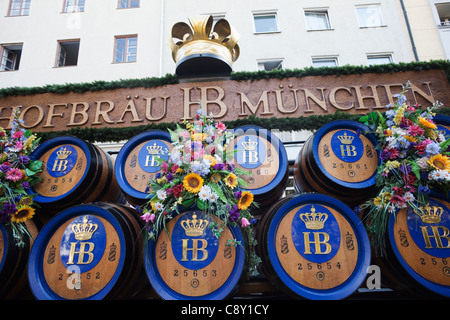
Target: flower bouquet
[(199, 172), (414, 160), (17, 174)]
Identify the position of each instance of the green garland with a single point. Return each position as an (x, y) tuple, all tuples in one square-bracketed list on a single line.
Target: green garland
[(312, 122)]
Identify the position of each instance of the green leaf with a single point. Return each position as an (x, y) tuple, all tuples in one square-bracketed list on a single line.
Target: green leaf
[(202, 205), (35, 165), (218, 191)]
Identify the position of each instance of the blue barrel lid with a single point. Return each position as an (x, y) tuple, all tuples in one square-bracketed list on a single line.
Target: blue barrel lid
[(353, 282), (440, 255), (167, 293), (38, 284), (55, 142), (351, 125), (280, 176), (119, 166)]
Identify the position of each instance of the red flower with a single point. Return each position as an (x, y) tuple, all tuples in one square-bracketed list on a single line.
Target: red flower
[(176, 190)]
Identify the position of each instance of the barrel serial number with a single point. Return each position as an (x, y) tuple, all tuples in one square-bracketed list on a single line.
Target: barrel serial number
[(319, 266), (194, 273)]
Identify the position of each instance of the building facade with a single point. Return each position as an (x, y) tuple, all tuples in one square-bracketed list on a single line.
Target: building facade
[(72, 41)]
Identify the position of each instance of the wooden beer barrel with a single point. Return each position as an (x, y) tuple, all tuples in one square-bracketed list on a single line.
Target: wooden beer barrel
[(13, 261), (194, 264), (418, 249), (338, 160), (261, 153), (74, 172), (136, 163), (313, 246), (87, 252)]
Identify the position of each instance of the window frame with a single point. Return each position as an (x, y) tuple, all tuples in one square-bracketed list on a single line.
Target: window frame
[(380, 13), (5, 48), (21, 10), (334, 58), (76, 6), (58, 53), (317, 11), (128, 5), (265, 14), (127, 37), (379, 55), (261, 62)]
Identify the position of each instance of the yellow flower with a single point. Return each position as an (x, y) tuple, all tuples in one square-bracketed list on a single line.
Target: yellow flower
[(378, 202), (193, 183), (410, 138), (231, 180), (215, 177), (427, 124), (246, 200), (211, 159), (22, 214), (199, 136), (440, 162)]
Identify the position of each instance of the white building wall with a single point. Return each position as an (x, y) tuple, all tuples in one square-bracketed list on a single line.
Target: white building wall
[(101, 21)]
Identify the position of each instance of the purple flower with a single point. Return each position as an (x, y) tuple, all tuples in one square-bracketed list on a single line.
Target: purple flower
[(4, 167), (234, 213), (169, 176), (238, 194), (25, 185), (218, 166), (9, 208), (24, 159), (385, 155)]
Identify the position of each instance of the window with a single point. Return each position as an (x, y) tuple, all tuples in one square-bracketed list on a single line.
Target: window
[(265, 22), (443, 10), (369, 16), (19, 7), (67, 53), (128, 4), (74, 5), (125, 49), (324, 62), (374, 59), (268, 65), (10, 57), (317, 20)]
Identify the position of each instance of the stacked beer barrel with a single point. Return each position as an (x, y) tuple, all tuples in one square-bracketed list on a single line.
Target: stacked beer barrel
[(312, 244)]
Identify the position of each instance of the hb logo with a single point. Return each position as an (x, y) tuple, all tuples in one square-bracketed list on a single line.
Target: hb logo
[(61, 161), (194, 228)]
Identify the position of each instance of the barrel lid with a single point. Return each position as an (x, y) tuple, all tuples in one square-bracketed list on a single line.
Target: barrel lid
[(79, 254), (260, 152), (443, 123), (316, 246), (195, 264), (422, 246), (136, 164), (66, 165), (346, 154)]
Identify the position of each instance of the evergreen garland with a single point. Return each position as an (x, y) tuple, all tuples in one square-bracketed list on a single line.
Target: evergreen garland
[(313, 122)]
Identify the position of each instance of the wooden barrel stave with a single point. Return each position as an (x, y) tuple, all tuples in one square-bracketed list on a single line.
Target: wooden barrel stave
[(117, 259), (282, 272)]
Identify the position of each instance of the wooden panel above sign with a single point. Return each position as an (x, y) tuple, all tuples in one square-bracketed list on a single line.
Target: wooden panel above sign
[(227, 100)]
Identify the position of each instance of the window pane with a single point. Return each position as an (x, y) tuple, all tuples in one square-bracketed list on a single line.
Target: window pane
[(317, 20), (369, 16), (134, 3), (265, 23), (374, 60), (331, 62)]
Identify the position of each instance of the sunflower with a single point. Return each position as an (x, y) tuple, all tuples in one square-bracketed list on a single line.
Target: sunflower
[(193, 183), (440, 162), (427, 124), (22, 214), (231, 180), (246, 200)]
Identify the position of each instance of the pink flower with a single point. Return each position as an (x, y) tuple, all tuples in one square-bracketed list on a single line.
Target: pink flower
[(414, 130), (221, 126), (147, 217), (165, 167), (244, 222), (17, 135), (14, 174), (19, 146)]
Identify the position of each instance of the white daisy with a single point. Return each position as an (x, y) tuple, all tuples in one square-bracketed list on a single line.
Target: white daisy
[(161, 194)]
